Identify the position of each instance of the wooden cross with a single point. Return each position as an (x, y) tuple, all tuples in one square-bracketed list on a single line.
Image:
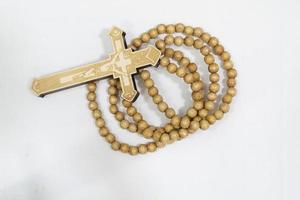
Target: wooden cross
[(121, 64)]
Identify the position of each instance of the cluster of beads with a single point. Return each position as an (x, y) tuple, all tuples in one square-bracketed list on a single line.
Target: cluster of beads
[(205, 110)]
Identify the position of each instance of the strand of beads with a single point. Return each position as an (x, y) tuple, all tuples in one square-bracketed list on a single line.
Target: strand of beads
[(205, 110)]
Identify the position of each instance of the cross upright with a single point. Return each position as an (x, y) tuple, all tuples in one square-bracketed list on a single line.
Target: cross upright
[(121, 64)]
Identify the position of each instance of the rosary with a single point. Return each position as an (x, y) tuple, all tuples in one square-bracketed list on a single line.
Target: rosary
[(208, 104)]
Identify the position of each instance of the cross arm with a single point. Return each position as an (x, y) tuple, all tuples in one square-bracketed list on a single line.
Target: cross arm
[(72, 77), (144, 57), (117, 38)]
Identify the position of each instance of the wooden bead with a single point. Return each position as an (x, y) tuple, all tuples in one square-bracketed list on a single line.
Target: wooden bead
[(205, 37), (170, 29), (170, 112), (188, 30), (198, 105), (124, 123), (149, 83), (174, 135), (179, 28), (142, 125), (137, 42), (197, 118), (172, 68), (161, 28), (103, 131), (188, 78), (152, 91), (113, 109), (100, 122), (169, 52), (151, 147), (189, 41), (211, 96), (197, 96), (211, 119), (162, 106), (133, 150), (219, 114), (93, 105), (192, 67), (183, 133), (178, 55), (153, 33), (231, 91), (132, 127), (213, 41), (231, 73), (157, 99), (112, 82), (209, 59), (137, 117), (185, 122), (175, 121), (148, 132), (124, 148), (145, 37), (184, 62), (115, 145), (126, 103), (213, 68), (198, 44), (209, 105), (224, 107), (113, 99), (231, 82), (169, 39), (131, 111), (91, 87), (196, 76), (160, 44), (214, 87), (156, 135), (178, 41), (110, 138), (112, 90), (194, 125), (225, 56), (227, 98), (145, 75), (196, 86), (205, 50), (168, 128), (142, 149), (203, 113), (192, 112), (219, 49), (204, 125), (119, 116), (97, 114), (228, 65), (198, 31), (180, 72), (91, 96), (165, 138), (214, 77)]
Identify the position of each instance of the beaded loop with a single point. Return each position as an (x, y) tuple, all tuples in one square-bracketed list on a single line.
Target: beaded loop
[(205, 110)]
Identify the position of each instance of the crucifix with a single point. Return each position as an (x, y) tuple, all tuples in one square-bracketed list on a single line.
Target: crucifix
[(121, 64)]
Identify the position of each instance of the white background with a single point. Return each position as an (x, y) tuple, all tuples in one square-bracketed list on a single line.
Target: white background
[(50, 147)]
